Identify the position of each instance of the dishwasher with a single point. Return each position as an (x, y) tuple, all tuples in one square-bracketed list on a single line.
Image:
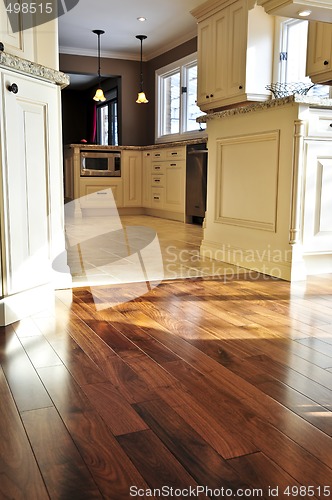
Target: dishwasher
[(196, 182)]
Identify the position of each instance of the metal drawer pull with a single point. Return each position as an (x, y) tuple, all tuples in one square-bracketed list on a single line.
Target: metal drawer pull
[(156, 197), (173, 164), (173, 154), (156, 180)]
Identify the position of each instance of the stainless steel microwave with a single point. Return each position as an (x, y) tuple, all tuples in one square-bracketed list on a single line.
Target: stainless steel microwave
[(100, 163)]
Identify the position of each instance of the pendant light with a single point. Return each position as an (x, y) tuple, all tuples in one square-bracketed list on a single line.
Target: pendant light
[(141, 99), (99, 95)]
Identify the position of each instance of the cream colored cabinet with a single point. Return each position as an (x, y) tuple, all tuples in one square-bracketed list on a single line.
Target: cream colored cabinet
[(19, 44), (167, 181), (103, 191), (38, 44), (131, 171), (174, 186), (319, 53), (317, 206), (232, 43), (146, 178), (32, 232)]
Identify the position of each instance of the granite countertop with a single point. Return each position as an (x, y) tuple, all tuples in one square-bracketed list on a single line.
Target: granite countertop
[(33, 69), (314, 102), (139, 148)]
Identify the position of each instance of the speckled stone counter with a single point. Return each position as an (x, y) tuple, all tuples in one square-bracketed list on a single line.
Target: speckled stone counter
[(33, 69), (139, 148), (313, 102)]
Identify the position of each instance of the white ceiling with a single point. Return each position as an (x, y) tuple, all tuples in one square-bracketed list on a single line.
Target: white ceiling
[(168, 24)]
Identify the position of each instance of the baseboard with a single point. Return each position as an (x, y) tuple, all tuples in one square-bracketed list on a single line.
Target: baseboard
[(20, 305)]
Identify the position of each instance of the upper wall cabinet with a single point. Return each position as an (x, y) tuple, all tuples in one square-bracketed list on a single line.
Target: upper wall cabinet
[(235, 46), (38, 44), (317, 10), (319, 53)]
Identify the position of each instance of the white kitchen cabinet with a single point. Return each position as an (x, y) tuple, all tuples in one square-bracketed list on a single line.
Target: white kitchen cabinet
[(146, 177), (175, 195), (38, 44), (131, 171), (319, 53), (235, 49), (105, 192), (32, 232), (167, 181)]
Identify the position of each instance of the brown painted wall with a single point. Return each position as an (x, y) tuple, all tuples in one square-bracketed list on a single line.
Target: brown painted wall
[(137, 121)]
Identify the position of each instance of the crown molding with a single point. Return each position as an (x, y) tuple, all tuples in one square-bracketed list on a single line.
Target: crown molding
[(73, 51)]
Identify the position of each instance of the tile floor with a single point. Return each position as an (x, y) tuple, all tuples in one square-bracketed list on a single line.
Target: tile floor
[(112, 250)]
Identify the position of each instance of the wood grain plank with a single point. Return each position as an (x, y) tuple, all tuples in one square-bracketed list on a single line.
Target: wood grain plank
[(155, 462), (63, 469), (111, 469), (116, 412), (25, 385), (202, 462), (19, 472)]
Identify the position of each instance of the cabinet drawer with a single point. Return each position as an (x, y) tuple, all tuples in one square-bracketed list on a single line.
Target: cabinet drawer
[(175, 153), (157, 180), (158, 154), (157, 168), (157, 198), (320, 123)]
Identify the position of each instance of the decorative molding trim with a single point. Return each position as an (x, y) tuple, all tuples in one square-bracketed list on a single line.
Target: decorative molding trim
[(270, 136), (33, 69), (295, 232)]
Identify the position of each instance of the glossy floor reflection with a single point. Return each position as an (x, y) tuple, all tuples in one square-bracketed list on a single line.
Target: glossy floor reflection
[(117, 254)]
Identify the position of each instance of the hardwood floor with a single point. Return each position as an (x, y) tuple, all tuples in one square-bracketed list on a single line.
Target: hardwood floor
[(205, 382)]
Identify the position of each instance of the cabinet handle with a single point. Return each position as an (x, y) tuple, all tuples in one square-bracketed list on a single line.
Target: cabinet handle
[(174, 153), (207, 96), (240, 87), (156, 197), (2, 47), (326, 63), (173, 164), (211, 95), (13, 88), (157, 180), (330, 124)]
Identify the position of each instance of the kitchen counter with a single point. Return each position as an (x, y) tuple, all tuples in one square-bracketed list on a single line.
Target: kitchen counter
[(310, 101), (30, 68), (174, 144)]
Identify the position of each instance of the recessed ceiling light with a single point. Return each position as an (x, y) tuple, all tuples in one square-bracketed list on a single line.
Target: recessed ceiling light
[(141, 18), (304, 13)]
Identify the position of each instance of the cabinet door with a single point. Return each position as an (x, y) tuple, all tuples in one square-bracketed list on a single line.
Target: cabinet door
[(319, 55), (237, 42), (174, 196), (204, 61), (19, 44), (27, 181), (131, 168), (317, 227)]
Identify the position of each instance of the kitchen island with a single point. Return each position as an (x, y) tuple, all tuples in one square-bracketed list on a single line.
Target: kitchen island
[(269, 203)]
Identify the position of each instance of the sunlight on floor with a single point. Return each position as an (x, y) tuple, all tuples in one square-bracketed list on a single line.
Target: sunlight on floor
[(119, 255)]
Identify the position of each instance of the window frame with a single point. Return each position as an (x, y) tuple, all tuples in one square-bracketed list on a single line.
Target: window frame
[(181, 65), (112, 98)]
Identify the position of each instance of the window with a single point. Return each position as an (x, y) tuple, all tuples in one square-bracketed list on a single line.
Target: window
[(292, 55), (107, 120), (176, 94)]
